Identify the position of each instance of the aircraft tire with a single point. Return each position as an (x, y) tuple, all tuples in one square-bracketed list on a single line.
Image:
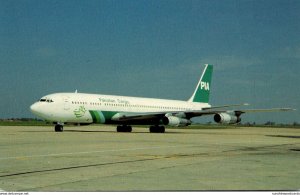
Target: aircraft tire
[(119, 128), (59, 128), (128, 128), (161, 129), (157, 129), (124, 128), (152, 129)]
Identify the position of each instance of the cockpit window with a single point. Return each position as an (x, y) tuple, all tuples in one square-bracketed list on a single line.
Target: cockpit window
[(46, 100)]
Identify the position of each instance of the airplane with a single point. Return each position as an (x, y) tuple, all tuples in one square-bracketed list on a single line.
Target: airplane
[(124, 111)]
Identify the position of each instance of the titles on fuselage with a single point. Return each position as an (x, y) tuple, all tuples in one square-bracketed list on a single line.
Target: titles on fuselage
[(109, 100)]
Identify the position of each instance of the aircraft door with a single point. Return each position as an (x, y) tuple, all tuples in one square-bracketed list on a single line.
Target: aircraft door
[(66, 102)]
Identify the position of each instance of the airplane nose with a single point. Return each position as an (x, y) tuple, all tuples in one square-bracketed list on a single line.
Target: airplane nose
[(34, 108), (37, 110)]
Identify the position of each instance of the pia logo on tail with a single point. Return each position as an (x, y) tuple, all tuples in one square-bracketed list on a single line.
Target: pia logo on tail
[(204, 85)]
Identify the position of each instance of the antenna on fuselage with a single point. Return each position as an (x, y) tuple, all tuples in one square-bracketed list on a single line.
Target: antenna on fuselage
[(76, 91)]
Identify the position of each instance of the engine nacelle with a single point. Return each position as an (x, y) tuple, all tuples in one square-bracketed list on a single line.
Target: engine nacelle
[(224, 118), (175, 121)]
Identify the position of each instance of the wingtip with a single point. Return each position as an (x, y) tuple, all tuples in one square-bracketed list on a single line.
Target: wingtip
[(288, 109)]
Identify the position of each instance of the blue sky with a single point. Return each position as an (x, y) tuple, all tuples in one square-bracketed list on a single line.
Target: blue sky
[(151, 48)]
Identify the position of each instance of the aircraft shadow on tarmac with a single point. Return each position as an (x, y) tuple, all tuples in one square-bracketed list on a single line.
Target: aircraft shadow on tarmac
[(76, 131), (140, 132), (197, 132), (133, 132)]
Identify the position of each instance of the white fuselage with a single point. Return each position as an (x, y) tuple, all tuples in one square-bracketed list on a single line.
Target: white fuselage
[(78, 107)]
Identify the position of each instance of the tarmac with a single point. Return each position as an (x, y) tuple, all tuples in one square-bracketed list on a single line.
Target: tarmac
[(97, 158)]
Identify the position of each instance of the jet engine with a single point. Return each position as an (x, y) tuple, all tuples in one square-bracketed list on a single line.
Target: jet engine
[(175, 121), (224, 118)]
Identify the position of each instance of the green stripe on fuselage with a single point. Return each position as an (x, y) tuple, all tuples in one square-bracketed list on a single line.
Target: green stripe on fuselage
[(108, 114), (101, 116), (95, 116)]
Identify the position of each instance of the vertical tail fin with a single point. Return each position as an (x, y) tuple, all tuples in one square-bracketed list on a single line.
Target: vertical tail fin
[(201, 93)]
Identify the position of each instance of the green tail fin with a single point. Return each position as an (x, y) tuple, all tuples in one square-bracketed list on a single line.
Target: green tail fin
[(201, 93)]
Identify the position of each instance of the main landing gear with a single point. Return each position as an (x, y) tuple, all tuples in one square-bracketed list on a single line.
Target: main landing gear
[(59, 128), (152, 129), (124, 128), (157, 129)]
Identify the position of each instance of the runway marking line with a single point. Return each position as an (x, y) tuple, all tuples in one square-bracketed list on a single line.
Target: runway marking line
[(88, 152)]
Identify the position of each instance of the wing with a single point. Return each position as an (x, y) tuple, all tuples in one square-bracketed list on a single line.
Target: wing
[(157, 116), (137, 116), (126, 116), (225, 106), (267, 110), (210, 111)]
